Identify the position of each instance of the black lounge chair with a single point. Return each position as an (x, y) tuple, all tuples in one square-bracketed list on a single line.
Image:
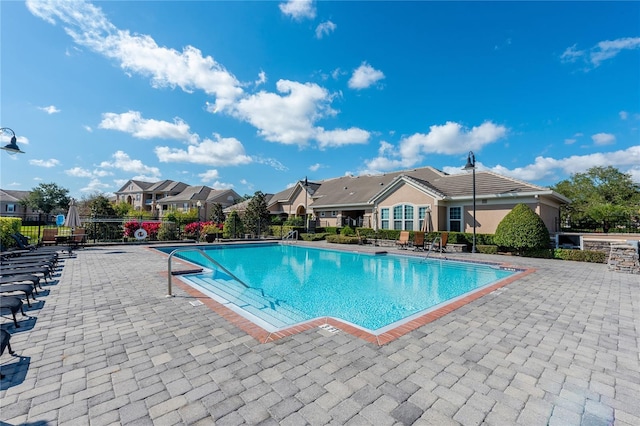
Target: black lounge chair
[(16, 279), (5, 336), (23, 242), (11, 304), (12, 271), (27, 289)]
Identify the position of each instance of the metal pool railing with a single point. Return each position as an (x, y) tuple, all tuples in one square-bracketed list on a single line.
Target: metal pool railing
[(206, 256)]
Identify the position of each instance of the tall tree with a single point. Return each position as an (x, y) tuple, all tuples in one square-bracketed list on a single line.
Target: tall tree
[(47, 198), (601, 194), (256, 217), (217, 213)]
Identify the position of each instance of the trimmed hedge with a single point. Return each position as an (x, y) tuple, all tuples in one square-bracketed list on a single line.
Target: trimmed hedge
[(580, 255), (342, 239), (487, 249), (314, 237)]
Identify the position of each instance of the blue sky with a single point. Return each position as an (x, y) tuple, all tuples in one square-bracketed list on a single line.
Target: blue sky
[(257, 95)]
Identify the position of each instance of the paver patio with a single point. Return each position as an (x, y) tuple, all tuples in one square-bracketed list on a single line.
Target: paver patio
[(559, 346)]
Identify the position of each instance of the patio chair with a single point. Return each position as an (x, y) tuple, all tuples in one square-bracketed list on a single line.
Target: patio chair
[(403, 241), (440, 242), (78, 238), (418, 240), (49, 236), (11, 304)]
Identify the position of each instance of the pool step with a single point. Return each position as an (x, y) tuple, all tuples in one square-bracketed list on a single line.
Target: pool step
[(273, 311)]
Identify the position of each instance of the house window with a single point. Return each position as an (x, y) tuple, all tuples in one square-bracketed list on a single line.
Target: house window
[(334, 213), (321, 214), (403, 217), (455, 219), (11, 208), (422, 213), (185, 207), (137, 197), (384, 218)]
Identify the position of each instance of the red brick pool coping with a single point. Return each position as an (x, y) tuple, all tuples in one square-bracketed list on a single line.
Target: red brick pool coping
[(264, 336)]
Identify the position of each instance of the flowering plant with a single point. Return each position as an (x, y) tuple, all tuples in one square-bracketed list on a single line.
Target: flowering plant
[(212, 228), (152, 228)]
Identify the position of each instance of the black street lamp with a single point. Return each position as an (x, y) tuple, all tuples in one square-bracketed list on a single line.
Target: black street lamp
[(306, 215), (11, 147), (471, 165)]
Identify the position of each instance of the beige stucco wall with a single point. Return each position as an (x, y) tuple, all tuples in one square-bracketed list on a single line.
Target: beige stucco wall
[(407, 194)]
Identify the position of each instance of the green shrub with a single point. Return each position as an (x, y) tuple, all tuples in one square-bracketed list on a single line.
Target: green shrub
[(580, 255), (487, 249), (331, 230), (168, 232), (314, 237), (342, 239), (522, 230), (8, 226), (347, 231)]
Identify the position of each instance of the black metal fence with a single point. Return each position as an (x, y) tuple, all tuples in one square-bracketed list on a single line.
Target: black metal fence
[(627, 226)]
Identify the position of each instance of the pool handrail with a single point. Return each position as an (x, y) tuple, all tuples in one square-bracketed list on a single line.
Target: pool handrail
[(290, 235), (209, 258)]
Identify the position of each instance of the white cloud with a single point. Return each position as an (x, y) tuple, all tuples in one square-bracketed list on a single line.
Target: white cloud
[(79, 172), (298, 9), (216, 152), (51, 109), (340, 137), (52, 162), (623, 115), (88, 129), (315, 167), (450, 138), (142, 128), (603, 138), (602, 51), (95, 185), (571, 54), (325, 28), (122, 161), (570, 141), (189, 69), (270, 162), (210, 176), (545, 167), (364, 76), (286, 119), (262, 78)]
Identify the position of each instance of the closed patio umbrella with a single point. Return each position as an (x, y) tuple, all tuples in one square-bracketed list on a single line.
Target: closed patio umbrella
[(73, 217)]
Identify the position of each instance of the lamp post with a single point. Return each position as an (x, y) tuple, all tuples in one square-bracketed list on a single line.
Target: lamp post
[(11, 147), (306, 215), (471, 165), (199, 205)]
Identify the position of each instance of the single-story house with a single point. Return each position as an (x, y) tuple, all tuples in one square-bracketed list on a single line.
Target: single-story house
[(419, 199)]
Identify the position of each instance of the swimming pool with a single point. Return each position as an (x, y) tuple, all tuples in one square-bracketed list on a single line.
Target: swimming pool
[(291, 284)]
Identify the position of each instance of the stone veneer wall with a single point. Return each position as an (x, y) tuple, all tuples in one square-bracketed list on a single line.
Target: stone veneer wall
[(624, 258)]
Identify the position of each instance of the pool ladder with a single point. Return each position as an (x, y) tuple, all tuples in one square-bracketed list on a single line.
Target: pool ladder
[(206, 256), (291, 236), (433, 243)]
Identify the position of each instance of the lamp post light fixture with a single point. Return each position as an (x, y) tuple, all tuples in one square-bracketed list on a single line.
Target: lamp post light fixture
[(11, 147), (471, 165), (306, 215)]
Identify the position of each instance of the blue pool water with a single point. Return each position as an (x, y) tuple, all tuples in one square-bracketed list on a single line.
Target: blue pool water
[(290, 284)]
